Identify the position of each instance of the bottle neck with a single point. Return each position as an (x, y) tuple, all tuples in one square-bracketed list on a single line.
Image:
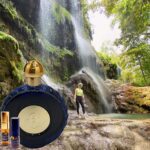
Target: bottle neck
[(33, 81)]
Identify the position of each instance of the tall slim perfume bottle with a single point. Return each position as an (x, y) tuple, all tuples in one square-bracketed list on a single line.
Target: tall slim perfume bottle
[(15, 133), (5, 128)]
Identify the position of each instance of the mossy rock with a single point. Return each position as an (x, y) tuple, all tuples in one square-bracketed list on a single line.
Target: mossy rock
[(60, 13), (11, 64), (137, 98), (10, 56)]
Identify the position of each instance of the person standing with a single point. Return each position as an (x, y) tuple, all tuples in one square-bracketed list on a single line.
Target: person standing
[(79, 98)]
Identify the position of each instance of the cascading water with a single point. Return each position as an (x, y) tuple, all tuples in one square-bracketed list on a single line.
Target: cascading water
[(45, 28), (44, 23), (85, 50), (45, 18), (87, 54), (49, 82), (101, 88)]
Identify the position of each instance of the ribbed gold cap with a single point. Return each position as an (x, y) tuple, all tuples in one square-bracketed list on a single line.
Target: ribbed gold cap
[(33, 69)]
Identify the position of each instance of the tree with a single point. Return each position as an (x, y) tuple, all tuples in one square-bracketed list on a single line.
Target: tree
[(133, 16), (137, 61)]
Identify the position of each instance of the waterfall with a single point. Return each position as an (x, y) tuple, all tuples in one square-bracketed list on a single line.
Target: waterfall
[(85, 50), (45, 28), (44, 17), (87, 54), (46, 79), (101, 88)]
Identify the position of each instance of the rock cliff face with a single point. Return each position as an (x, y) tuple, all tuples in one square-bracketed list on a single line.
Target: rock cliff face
[(11, 64), (129, 99), (63, 36), (19, 19), (29, 9)]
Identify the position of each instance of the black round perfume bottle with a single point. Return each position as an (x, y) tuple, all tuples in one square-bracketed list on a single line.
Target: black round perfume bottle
[(41, 109)]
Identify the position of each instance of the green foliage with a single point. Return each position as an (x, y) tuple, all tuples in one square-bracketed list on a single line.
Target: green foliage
[(134, 19), (133, 16), (6, 37), (94, 5), (60, 13), (3, 28), (139, 96), (10, 8), (11, 56), (57, 51), (65, 74), (136, 65), (32, 44), (110, 64), (104, 57), (17, 72), (17, 21), (87, 25)]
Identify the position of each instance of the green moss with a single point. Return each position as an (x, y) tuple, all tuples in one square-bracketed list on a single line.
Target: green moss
[(32, 37), (60, 13), (10, 8), (9, 13), (65, 52), (57, 51), (31, 42), (6, 37), (17, 72), (3, 27), (138, 96), (65, 74), (11, 59), (109, 64), (87, 25)]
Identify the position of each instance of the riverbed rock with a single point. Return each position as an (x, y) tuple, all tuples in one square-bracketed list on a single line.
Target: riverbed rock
[(129, 99), (99, 133)]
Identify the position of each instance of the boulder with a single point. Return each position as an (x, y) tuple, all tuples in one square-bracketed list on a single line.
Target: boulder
[(97, 97)]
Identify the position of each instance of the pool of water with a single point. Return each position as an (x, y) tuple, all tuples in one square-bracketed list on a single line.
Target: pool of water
[(126, 116)]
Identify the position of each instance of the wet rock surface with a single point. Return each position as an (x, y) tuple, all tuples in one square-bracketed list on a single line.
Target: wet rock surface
[(98, 133), (97, 95), (129, 99)]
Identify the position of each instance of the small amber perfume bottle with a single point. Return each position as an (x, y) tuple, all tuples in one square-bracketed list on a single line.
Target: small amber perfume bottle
[(5, 128)]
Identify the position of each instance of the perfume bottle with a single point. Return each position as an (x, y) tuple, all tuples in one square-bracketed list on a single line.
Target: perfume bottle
[(41, 109), (5, 128), (15, 133)]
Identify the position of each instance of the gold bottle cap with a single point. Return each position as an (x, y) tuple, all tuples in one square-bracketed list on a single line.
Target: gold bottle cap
[(33, 69)]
